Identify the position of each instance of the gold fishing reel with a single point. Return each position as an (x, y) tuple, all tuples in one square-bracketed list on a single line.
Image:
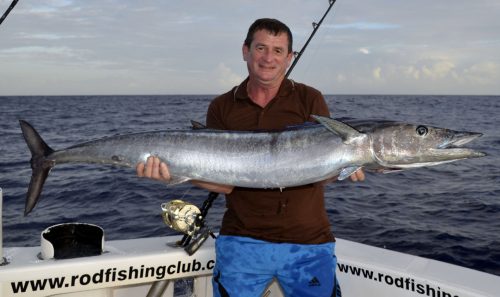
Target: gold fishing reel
[(182, 216), (190, 220)]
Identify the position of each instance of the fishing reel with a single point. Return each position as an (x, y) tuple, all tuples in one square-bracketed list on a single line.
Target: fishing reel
[(182, 216), (187, 218)]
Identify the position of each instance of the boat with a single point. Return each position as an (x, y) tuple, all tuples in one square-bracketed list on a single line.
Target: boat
[(153, 266)]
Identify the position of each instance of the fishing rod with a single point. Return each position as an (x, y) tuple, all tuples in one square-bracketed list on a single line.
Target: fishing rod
[(6, 13), (315, 28)]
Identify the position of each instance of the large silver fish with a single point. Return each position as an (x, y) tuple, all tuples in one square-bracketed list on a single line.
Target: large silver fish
[(292, 157)]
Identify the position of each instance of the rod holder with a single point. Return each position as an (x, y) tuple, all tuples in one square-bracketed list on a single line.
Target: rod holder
[(72, 240)]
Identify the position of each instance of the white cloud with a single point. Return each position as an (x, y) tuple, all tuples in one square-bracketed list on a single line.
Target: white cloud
[(341, 78), (438, 70), (226, 77), (50, 36), (366, 26), (35, 51), (412, 71), (47, 8), (359, 50), (364, 50), (377, 73), (486, 73)]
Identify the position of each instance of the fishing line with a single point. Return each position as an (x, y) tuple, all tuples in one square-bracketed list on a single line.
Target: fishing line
[(314, 53), (186, 191), (315, 28), (6, 13)]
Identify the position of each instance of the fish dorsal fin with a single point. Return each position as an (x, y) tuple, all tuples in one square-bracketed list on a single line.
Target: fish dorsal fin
[(197, 125), (344, 131)]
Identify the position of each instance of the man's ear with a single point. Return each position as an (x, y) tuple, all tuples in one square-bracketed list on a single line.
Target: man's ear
[(245, 51), (289, 59)]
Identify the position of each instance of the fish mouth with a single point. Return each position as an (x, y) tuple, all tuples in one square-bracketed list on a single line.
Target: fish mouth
[(459, 139), (453, 146)]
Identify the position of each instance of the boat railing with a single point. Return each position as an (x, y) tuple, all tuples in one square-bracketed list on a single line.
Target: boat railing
[(151, 267), (135, 267), (156, 267)]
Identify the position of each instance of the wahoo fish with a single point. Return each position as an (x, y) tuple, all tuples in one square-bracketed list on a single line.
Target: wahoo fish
[(273, 159)]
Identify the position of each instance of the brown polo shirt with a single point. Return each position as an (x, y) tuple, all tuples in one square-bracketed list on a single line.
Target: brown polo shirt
[(296, 214)]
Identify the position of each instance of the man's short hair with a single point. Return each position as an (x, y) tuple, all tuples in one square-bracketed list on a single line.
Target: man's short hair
[(272, 26)]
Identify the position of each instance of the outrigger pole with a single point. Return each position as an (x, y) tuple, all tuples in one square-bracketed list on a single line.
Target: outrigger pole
[(315, 28), (6, 13)]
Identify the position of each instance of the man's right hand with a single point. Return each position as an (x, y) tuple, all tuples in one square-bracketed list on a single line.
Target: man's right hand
[(154, 169)]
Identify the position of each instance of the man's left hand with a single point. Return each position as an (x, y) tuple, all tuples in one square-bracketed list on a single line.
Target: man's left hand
[(359, 175)]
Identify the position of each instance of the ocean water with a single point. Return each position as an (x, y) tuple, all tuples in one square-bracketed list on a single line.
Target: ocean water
[(449, 212)]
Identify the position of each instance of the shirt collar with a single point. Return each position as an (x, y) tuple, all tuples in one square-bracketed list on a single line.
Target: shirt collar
[(240, 92)]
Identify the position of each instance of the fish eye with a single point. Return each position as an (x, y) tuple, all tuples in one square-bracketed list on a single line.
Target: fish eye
[(422, 130)]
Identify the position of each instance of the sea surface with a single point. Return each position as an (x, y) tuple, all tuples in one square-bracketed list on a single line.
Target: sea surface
[(449, 212)]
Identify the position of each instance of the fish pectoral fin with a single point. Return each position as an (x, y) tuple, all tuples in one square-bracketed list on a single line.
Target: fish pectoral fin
[(347, 171), (344, 131), (175, 180)]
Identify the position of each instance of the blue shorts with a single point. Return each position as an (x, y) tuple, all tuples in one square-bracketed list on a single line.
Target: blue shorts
[(245, 267)]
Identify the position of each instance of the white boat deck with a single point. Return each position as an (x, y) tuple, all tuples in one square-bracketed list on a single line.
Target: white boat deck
[(129, 267)]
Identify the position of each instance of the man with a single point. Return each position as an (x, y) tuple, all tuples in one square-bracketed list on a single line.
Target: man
[(268, 234)]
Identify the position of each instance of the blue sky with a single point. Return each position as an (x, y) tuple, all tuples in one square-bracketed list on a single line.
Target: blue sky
[(69, 47)]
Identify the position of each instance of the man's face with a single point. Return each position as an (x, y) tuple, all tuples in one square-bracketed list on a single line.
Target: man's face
[(268, 57)]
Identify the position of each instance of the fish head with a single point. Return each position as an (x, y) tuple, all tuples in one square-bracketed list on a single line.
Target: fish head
[(402, 145)]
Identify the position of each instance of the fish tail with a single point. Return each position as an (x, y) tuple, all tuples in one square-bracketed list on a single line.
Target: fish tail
[(40, 165)]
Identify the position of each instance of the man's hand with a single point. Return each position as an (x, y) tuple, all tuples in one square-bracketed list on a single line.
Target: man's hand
[(358, 175), (153, 169)]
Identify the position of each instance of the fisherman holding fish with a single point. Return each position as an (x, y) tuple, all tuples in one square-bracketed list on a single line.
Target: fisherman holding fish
[(268, 234), (275, 225)]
